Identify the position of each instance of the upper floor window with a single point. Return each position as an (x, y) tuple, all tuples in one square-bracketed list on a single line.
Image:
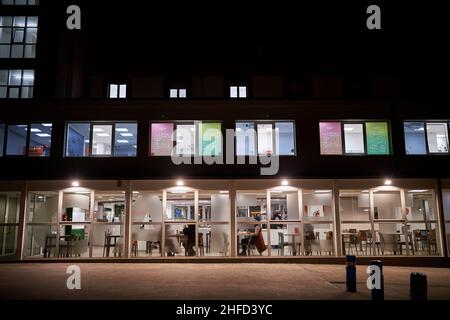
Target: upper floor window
[(117, 91), (186, 138), (429, 137), (265, 138), (238, 91), (33, 140), (20, 2), (16, 84), (177, 93), (18, 36), (85, 139), (354, 138)]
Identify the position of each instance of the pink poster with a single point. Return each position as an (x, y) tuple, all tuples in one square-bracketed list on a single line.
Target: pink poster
[(162, 142), (330, 138)]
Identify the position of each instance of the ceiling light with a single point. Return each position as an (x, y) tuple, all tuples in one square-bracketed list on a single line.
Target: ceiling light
[(102, 134), (387, 182), (121, 129), (35, 130), (46, 124), (128, 134), (122, 141), (285, 183), (43, 135), (180, 183), (322, 191), (417, 191), (98, 130), (75, 183)]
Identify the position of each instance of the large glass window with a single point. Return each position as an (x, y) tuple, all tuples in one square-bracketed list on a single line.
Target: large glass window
[(125, 140), (117, 91), (437, 134), (270, 138), (20, 2), (18, 36), (202, 138), (16, 144), (15, 84), (415, 138), (377, 138), (330, 138), (238, 91), (40, 140), (9, 223), (354, 138), (101, 139)]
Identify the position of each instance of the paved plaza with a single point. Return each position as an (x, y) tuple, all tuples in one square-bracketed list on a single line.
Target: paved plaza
[(183, 281)]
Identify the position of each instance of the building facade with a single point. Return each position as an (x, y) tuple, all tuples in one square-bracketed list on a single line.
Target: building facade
[(102, 159)]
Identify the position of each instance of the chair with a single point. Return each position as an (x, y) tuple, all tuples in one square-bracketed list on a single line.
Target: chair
[(315, 246), (389, 242), (432, 241), (79, 247), (365, 237), (50, 243), (107, 245), (417, 239), (350, 240)]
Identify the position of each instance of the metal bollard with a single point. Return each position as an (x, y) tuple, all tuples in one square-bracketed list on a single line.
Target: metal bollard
[(418, 286), (351, 273), (378, 293)]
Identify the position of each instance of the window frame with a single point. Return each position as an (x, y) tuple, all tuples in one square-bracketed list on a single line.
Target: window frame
[(118, 84), (27, 140), (427, 147), (23, 42), (178, 89), (363, 123), (91, 138), (238, 86), (20, 87), (274, 143)]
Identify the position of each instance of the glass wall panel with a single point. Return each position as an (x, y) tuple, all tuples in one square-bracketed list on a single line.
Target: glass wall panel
[(40, 241), (125, 140), (317, 205), (162, 139), (78, 138), (180, 206), (73, 241), (377, 138), (9, 219), (247, 238), (42, 207), (76, 206), (387, 205), (102, 140), (354, 138), (251, 205), (180, 240), (185, 138), (40, 140), (415, 138), (214, 206), (16, 144), (391, 239), (420, 205), (357, 239), (265, 139), (284, 205), (330, 138), (8, 241), (146, 240), (437, 134), (285, 138), (109, 218), (210, 138), (425, 238), (214, 239), (354, 205), (245, 139), (147, 207), (318, 239), (285, 239)]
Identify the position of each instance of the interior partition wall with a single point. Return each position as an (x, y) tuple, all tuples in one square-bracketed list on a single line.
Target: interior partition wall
[(222, 218)]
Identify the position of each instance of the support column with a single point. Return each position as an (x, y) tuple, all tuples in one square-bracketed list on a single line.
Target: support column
[(233, 225), (441, 218), (127, 222), (337, 221), (22, 221)]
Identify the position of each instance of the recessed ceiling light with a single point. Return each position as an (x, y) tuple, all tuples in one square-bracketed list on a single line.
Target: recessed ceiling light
[(387, 182), (43, 135), (121, 129), (122, 141), (75, 183), (98, 130), (35, 130), (180, 183), (102, 134), (47, 124), (285, 183), (128, 134)]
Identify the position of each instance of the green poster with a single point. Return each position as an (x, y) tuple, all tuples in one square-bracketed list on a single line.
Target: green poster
[(377, 136), (211, 139)]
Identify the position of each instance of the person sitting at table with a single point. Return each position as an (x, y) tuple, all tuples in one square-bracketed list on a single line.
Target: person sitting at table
[(171, 242), (252, 239), (277, 215)]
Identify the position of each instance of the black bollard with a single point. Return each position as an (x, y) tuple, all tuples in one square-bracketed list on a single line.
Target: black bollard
[(418, 286), (378, 293), (351, 273)]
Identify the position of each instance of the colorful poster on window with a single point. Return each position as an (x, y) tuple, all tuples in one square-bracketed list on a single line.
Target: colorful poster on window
[(210, 139), (330, 138), (162, 142), (377, 137)]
